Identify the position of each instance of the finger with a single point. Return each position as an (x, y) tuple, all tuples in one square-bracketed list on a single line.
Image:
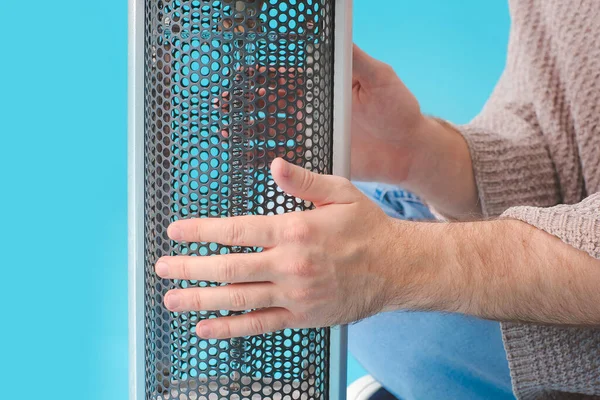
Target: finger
[(237, 297), (360, 63), (256, 231), (229, 268), (364, 67), (251, 324), (307, 185)]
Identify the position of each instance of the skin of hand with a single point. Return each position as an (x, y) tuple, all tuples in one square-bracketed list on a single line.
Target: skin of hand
[(321, 267), (347, 260), (386, 121), (393, 142)]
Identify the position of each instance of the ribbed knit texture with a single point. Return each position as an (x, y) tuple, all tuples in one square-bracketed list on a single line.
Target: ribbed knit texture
[(536, 145)]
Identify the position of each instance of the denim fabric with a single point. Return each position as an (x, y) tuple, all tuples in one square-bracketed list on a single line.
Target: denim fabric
[(429, 355), (396, 203)]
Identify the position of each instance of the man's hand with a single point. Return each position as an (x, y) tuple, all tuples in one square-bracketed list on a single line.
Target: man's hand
[(346, 260), (386, 122), (321, 267), (393, 142)]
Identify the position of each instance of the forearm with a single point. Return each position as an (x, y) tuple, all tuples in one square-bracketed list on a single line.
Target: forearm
[(502, 270), (442, 173)]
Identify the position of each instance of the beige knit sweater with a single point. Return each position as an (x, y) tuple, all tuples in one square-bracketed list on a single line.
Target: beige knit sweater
[(536, 156)]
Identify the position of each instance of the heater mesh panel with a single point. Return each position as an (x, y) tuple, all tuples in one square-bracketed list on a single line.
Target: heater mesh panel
[(229, 86)]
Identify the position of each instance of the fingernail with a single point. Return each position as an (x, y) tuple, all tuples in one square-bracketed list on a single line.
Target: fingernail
[(162, 269), (172, 301), (203, 331), (176, 234)]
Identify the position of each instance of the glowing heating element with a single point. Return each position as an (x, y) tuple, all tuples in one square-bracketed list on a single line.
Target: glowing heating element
[(218, 89)]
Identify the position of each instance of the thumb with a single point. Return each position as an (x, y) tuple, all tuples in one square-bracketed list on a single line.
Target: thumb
[(360, 62), (319, 189), (366, 68)]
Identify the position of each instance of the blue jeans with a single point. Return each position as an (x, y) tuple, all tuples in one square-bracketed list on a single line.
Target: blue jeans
[(418, 355)]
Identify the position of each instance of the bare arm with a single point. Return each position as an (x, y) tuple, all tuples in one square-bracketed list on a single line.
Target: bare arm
[(347, 260), (502, 270), (393, 142)]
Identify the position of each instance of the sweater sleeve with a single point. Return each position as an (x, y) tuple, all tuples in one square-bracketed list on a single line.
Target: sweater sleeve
[(511, 159), (517, 178), (511, 163), (547, 361), (577, 225)]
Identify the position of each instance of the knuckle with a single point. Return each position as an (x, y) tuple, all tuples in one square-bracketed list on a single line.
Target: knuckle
[(186, 270), (387, 69), (226, 272), (301, 268), (345, 186), (256, 325), (198, 233), (343, 183), (197, 301), (298, 231), (237, 299), (300, 295), (234, 233), (308, 180)]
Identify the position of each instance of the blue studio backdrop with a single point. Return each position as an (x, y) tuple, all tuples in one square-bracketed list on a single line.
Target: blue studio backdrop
[(63, 168)]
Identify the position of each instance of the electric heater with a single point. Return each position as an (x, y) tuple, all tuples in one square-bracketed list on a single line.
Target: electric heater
[(218, 89)]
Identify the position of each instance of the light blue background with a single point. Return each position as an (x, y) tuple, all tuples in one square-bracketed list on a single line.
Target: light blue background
[(63, 182)]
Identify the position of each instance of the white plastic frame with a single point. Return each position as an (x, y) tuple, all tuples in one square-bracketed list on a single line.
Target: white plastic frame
[(341, 167), (135, 175)]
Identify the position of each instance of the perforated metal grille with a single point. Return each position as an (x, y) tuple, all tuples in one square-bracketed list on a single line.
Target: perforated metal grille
[(229, 86)]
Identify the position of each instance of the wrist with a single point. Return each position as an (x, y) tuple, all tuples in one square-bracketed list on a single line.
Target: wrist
[(416, 147), (483, 282), (390, 157), (424, 276), (441, 171), (433, 139)]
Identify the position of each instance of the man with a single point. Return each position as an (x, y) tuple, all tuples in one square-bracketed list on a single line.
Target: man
[(527, 167)]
